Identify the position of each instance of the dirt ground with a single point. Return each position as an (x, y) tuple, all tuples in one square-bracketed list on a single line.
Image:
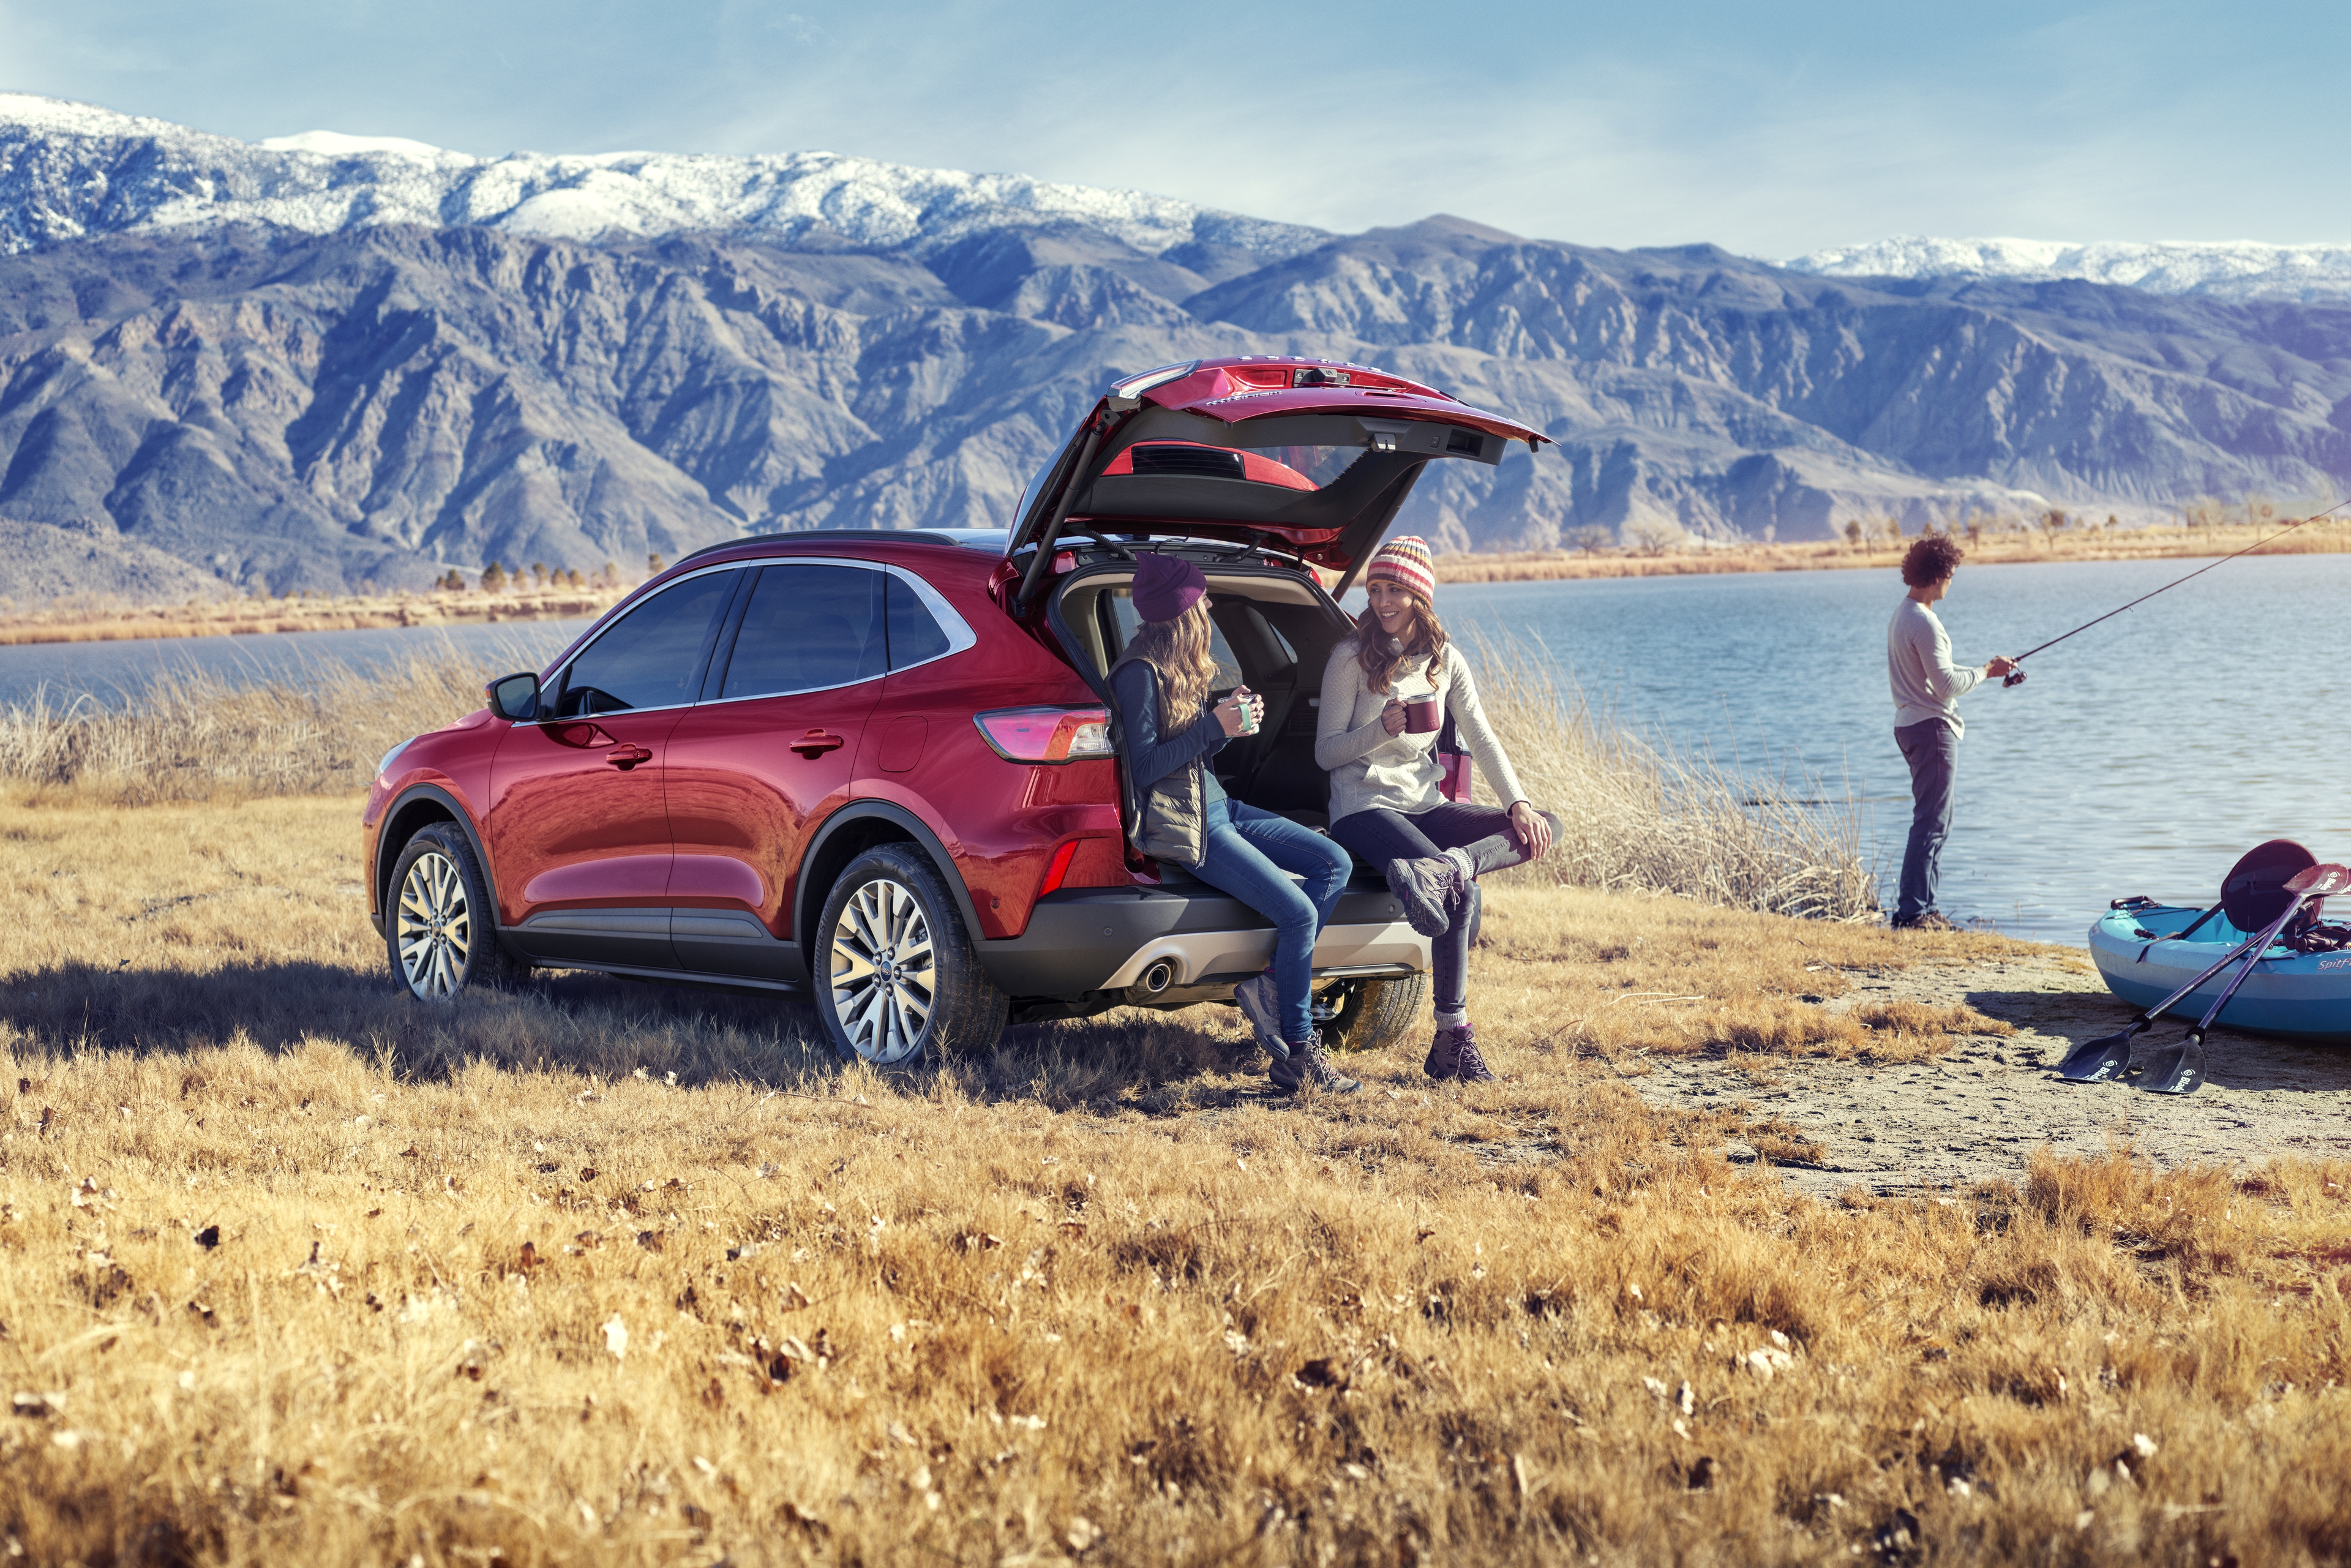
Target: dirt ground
[(1979, 1111)]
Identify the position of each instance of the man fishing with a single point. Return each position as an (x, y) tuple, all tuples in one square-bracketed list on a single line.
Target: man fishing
[(1927, 723)]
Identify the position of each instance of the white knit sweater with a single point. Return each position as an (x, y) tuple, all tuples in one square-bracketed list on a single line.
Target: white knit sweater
[(1369, 766)]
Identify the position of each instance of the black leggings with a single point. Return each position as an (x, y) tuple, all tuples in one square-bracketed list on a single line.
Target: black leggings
[(1481, 833)]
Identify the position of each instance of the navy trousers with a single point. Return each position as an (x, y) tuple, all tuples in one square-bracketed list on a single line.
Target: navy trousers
[(1932, 750)]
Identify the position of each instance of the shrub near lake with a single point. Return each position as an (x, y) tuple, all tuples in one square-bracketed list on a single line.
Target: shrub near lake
[(588, 1272)]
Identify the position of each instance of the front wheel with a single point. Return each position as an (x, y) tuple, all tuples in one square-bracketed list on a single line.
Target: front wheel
[(896, 978), (441, 932)]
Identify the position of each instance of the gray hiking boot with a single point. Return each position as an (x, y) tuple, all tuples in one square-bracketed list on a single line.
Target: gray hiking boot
[(1428, 889), (1255, 997), (1454, 1054), (1308, 1066)]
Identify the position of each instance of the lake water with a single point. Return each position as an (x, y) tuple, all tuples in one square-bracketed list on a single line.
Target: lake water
[(2142, 757), (112, 673)]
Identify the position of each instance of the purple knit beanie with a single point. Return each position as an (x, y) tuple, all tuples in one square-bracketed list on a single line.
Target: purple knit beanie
[(1164, 587)]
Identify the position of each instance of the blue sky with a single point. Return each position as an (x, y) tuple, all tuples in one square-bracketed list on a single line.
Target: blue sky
[(1771, 131)]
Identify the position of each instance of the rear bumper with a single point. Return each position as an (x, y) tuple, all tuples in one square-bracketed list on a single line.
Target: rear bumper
[(1090, 940)]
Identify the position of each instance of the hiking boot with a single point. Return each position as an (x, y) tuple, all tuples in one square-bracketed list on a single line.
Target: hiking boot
[(1454, 1054), (1428, 889), (1933, 920), (1308, 1066), (1255, 997)]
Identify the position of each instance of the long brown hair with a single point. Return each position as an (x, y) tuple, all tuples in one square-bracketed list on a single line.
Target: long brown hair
[(1179, 650), (1383, 657)]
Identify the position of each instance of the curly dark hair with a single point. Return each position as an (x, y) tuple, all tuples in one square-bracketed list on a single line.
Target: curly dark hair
[(1931, 559)]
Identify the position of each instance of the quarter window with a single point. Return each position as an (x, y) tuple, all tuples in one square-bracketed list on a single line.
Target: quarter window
[(651, 657), (807, 628), (914, 636)]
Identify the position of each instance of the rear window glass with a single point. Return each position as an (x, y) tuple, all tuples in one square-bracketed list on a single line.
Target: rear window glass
[(807, 628), (651, 657), (1287, 467), (1122, 616)]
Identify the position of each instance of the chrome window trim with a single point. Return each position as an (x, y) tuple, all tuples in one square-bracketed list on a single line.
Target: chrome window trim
[(960, 635), (556, 677)]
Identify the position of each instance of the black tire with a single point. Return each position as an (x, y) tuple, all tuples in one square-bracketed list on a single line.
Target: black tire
[(1376, 1014), (895, 978), (440, 923)]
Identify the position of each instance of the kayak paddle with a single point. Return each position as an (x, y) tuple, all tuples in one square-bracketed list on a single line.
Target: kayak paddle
[(2180, 1069)]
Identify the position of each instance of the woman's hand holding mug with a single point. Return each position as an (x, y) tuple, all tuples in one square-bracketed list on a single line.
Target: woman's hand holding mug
[(1233, 712), (1394, 716)]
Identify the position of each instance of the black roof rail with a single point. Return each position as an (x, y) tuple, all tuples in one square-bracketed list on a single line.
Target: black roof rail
[(899, 536)]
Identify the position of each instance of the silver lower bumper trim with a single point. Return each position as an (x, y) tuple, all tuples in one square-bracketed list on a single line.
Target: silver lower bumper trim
[(1389, 946)]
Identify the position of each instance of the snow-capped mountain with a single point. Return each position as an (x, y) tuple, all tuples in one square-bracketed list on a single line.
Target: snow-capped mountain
[(2239, 269), (330, 360), (71, 171)]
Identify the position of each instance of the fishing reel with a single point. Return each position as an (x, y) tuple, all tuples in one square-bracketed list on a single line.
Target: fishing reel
[(2013, 678)]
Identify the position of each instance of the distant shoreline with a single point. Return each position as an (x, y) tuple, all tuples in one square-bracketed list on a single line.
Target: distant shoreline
[(108, 621), (1822, 555)]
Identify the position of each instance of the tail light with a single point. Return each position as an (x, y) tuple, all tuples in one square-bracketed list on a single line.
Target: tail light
[(1047, 734)]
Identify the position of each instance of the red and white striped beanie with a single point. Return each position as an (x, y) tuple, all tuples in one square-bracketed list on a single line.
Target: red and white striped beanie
[(1406, 561)]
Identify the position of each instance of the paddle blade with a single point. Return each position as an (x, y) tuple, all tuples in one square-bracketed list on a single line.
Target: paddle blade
[(2100, 1060), (2176, 1069)]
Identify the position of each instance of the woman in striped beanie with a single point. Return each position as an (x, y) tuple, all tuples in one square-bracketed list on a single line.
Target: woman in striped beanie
[(1386, 805)]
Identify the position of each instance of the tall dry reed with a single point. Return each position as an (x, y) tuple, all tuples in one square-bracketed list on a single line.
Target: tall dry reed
[(1635, 814), (194, 735)]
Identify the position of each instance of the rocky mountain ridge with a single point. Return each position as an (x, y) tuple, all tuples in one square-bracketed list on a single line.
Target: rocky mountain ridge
[(357, 382)]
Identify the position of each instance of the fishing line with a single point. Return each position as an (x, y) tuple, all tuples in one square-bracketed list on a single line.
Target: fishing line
[(2016, 678)]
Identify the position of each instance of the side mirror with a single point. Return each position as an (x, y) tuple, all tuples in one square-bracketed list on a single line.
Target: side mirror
[(514, 697)]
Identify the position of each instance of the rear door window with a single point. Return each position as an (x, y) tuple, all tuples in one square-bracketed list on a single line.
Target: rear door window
[(652, 656), (809, 628)]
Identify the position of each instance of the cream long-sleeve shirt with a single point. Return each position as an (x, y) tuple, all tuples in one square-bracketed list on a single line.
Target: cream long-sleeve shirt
[(1369, 766), (1927, 684)]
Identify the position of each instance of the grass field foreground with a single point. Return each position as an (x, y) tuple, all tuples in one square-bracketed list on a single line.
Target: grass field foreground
[(295, 1269)]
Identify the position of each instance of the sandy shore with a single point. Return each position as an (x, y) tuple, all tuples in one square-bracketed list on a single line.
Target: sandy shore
[(1980, 1110)]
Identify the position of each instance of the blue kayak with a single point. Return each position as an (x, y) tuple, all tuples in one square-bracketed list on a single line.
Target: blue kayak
[(2305, 996)]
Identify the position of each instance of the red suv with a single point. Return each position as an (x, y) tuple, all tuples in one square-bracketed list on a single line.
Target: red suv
[(880, 767)]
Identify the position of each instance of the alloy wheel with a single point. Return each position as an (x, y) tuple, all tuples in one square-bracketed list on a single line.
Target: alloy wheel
[(436, 926), (883, 972)]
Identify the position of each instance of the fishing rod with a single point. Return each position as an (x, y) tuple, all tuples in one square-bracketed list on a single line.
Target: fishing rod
[(2016, 678)]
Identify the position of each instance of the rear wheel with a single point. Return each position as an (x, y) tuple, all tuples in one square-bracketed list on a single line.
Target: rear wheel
[(1373, 1015), (441, 932), (896, 978)]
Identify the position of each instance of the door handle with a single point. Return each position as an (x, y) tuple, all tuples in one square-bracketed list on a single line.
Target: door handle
[(815, 743), (627, 756)]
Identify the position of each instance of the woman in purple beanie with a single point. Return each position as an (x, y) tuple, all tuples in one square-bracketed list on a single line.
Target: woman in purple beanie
[(1169, 732)]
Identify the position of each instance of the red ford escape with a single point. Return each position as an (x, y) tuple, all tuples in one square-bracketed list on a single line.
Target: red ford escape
[(878, 766)]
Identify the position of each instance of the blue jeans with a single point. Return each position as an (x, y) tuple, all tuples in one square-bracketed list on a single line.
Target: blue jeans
[(1248, 853), (1933, 752)]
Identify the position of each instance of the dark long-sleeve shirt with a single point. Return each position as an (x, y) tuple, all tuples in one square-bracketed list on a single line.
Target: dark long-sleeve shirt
[(1149, 757)]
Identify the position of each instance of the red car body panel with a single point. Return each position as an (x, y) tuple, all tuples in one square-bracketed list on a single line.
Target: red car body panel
[(568, 828), (743, 801)]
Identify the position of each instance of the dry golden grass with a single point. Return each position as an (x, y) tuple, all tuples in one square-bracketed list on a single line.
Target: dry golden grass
[(297, 1271), (1635, 815), (109, 620), (2332, 538), (194, 736)]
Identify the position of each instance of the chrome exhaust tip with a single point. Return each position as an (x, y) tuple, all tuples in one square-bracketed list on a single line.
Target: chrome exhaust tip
[(1159, 977)]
